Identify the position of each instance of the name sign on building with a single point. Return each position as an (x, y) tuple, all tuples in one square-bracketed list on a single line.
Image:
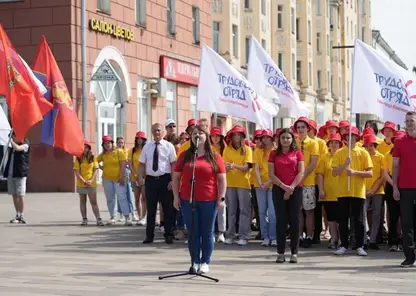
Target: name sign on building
[(114, 30), (179, 71)]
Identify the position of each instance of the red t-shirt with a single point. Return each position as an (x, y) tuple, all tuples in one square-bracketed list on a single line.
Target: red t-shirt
[(405, 150), (205, 178), (286, 165)]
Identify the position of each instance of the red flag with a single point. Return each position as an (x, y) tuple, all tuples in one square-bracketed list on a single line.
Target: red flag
[(22, 95), (60, 127)]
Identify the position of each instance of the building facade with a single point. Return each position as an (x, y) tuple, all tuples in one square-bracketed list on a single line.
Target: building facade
[(145, 42)]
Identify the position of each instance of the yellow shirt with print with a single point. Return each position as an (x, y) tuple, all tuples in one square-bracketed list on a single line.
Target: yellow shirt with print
[(388, 163), (86, 170), (384, 148), (111, 163), (185, 146), (310, 148), (330, 182), (261, 158), (237, 178), (378, 165), (134, 158), (360, 161)]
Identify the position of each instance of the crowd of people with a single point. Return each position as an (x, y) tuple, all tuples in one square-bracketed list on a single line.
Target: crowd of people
[(301, 183)]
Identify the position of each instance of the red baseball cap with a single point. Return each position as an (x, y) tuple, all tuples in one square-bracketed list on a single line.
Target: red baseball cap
[(257, 133), (344, 123), (192, 122), (107, 139), (237, 129), (267, 133), (86, 143), (388, 124), (215, 131), (141, 135)]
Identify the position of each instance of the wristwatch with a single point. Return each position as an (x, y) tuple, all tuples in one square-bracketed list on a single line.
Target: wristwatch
[(221, 199)]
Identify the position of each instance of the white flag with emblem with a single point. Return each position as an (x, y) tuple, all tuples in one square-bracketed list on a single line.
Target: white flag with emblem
[(380, 86), (222, 89)]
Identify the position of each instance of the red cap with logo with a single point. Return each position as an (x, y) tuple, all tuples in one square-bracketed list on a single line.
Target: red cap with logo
[(107, 139), (388, 124), (215, 131), (334, 137), (141, 135), (192, 122)]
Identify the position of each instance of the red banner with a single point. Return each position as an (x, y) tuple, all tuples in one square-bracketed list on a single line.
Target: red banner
[(179, 71)]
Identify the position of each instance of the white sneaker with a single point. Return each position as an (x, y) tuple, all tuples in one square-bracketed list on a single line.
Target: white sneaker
[(186, 242), (196, 267), (204, 268), (266, 242), (229, 241), (161, 228), (121, 219), (242, 242), (340, 251), (135, 218), (142, 222), (112, 221), (128, 222), (221, 238), (361, 252), (274, 243)]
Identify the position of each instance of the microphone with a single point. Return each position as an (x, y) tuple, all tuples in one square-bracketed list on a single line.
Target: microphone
[(197, 139)]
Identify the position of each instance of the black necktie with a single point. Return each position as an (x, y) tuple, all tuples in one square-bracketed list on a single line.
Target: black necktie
[(156, 158)]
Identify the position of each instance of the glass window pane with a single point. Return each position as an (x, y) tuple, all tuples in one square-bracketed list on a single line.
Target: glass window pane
[(107, 111)]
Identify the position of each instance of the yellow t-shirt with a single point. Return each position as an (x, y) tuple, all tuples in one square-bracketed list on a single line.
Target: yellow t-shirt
[(214, 149), (86, 170), (134, 158), (388, 163), (361, 143), (378, 165), (310, 148), (330, 182), (185, 146), (253, 178), (384, 148), (261, 158), (237, 178), (360, 161), (111, 163)]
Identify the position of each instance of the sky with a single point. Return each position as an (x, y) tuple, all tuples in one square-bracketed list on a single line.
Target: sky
[(395, 19)]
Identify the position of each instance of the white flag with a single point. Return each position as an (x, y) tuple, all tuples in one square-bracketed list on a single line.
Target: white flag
[(380, 86), (40, 85), (222, 89), (270, 82), (4, 128)]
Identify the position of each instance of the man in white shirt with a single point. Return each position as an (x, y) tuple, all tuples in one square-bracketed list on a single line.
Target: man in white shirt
[(157, 162)]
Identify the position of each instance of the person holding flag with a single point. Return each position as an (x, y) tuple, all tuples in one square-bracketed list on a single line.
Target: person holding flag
[(353, 165)]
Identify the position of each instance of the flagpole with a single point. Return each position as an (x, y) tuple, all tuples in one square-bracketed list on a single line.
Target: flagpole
[(350, 130), (7, 147), (84, 67)]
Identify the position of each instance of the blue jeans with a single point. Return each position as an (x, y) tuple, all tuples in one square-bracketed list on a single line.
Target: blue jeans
[(180, 223), (203, 229), (129, 194), (266, 213)]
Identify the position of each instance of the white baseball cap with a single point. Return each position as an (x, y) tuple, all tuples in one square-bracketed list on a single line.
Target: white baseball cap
[(169, 122)]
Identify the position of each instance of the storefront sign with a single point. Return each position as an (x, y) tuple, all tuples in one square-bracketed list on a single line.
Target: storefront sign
[(179, 71), (114, 30)]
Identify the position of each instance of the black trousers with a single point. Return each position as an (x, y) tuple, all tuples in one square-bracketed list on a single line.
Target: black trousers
[(287, 212), (156, 189), (393, 207), (255, 205), (355, 206), (407, 201), (318, 216)]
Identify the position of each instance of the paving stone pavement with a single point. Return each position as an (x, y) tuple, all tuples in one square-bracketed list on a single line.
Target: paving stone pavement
[(53, 255)]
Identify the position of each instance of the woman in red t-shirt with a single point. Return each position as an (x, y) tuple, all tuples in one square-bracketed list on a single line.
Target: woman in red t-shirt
[(209, 194), (286, 169)]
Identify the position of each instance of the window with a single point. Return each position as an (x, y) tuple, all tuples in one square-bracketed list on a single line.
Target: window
[(104, 6), (348, 24), (298, 71), (141, 12), (328, 77), (294, 66), (297, 29), (263, 44), (171, 19), (351, 28), (309, 32), (330, 48), (320, 110), (247, 48), (247, 4), (195, 25), (216, 36), (363, 34), (319, 79), (171, 101), (348, 59), (195, 113), (263, 7), (348, 90), (310, 74), (292, 20), (338, 18), (143, 109), (280, 61), (235, 40), (318, 42), (280, 16), (355, 32), (363, 6), (318, 7)]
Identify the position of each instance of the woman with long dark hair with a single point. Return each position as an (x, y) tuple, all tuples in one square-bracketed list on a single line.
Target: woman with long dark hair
[(86, 169), (138, 190), (209, 195), (286, 169)]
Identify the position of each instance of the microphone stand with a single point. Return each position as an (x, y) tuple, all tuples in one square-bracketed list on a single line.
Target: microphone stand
[(192, 270)]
